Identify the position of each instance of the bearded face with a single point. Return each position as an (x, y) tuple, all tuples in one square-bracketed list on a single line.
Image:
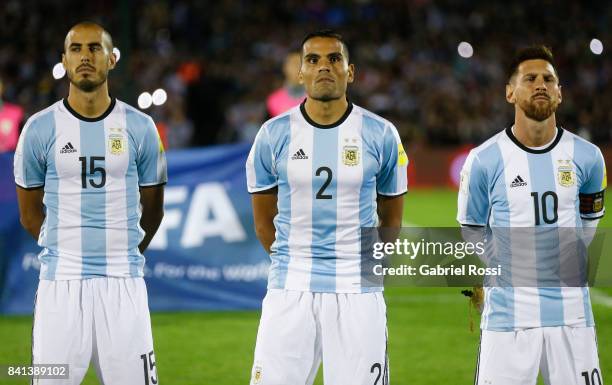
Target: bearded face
[(535, 89), (539, 107)]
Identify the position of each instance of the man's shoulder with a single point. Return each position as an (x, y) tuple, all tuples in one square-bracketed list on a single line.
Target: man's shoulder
[(580, 144), (489, 144), (372, 117), (280, 122), (43, 119), (132, 112)]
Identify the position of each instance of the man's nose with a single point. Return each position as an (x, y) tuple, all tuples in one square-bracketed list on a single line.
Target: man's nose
[(324, 65)]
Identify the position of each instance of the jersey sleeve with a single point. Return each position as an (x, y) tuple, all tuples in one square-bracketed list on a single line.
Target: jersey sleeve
[(260, 171), (392, 178), (591, 193), (29, 163), (473, 200), (151, 159)]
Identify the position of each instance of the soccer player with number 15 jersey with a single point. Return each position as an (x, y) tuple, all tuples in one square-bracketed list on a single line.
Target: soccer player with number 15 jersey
[(90, 172)]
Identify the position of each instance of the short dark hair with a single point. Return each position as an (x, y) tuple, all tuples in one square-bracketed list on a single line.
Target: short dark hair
[(530, 53), (326, 33)]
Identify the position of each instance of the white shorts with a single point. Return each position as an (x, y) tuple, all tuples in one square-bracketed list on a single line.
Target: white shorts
[(564, 355), (101, 319), (298, 330)]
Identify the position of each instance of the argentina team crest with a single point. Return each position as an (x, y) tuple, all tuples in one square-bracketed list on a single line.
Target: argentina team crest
[(565, 173), (116, 142), (350, 155)]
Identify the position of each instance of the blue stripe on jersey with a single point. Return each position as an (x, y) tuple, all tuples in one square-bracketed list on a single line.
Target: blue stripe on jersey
[(588, 309), (324, 211), (548, 266), (93, 202), (262, 158), (586, 157), (279, 132), (46, 130), (371, 132), (502, 298), (132, 196), (582, 152)]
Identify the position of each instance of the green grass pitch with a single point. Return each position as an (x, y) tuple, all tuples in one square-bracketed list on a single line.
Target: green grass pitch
[(429, 338)]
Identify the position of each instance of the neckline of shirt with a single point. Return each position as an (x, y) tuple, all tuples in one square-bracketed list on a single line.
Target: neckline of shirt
[(86, 119), (348, 111), (535, 150)]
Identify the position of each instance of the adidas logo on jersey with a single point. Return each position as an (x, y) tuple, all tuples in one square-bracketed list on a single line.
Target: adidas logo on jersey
[(518, 182), (68, 149), (300, 154)]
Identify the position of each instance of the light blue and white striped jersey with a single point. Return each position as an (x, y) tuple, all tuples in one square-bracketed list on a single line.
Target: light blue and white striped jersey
[(91, 170), (328, 178), (505, 185)]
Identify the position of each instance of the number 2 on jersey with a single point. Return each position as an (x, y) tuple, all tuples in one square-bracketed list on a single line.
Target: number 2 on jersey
[(92, 170), (321, 194)]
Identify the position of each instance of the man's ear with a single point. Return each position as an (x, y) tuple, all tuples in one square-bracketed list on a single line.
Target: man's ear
[(351, 73), (112, 58), (510, 98)]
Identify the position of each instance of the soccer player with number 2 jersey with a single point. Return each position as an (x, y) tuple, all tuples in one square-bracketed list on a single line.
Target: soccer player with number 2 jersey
[(90, 172), (318, 174), (544, 180)]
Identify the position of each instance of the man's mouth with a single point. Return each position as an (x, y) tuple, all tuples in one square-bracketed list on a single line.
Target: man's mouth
[(541, 97), (85, 69)]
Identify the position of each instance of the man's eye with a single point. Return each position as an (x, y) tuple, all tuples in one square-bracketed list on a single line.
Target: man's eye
[(312, 60)]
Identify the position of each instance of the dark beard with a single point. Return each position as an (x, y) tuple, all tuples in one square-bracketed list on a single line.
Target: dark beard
[(325, 98), (87, 85), (537, 112)]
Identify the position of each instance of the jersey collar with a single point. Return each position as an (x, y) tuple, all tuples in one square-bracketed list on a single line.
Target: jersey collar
[(86, 119), (332, 125), (531, 150)]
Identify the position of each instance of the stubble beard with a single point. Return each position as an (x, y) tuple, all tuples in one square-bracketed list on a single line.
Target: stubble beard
[(88, 85)]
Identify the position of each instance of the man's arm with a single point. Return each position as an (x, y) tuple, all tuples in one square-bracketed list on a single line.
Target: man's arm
[(31, 212), (152, 201), (390, 212), (264, 211)]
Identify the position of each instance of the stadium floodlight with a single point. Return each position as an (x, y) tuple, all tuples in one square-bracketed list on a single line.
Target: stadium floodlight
[(596, 46), (58, 71), (117, 53), (465, 49), (145, 100), (159, 96)]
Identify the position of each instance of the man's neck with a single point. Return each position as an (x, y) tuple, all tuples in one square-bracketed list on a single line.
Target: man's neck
[(326, 113), (532, 133), (89, 104)]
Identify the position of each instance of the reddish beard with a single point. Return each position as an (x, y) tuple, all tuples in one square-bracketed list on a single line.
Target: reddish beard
[(538, 111)]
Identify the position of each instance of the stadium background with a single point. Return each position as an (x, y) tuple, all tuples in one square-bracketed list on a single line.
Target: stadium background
[(218, 61)]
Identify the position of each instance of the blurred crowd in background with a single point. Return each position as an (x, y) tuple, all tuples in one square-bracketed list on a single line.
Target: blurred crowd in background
[(220, 60)]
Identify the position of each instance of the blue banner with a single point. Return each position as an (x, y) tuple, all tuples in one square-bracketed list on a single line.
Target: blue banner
[(205, 255)]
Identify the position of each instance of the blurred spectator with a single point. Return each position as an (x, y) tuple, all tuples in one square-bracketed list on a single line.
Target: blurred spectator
[(11, 116), (292, 92), (223, 59)]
